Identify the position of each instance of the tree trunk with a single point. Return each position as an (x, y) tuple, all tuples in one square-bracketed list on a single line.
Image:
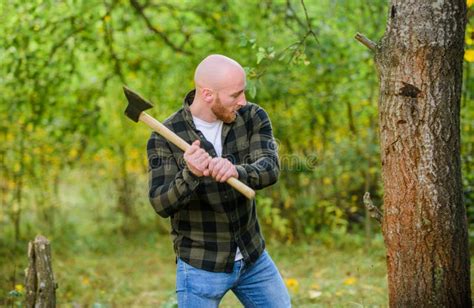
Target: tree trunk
[(125, 199), (419, 60)]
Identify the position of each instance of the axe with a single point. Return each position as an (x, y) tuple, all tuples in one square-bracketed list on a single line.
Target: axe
[(136, 112)]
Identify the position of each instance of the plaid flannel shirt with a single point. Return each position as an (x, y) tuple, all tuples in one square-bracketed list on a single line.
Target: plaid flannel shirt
[(210, 219)]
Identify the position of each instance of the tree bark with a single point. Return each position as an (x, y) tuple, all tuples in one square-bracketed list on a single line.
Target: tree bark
[(39, 278), (419, 61)]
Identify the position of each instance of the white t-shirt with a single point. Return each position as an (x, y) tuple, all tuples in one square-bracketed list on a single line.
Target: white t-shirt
[(213, 133)]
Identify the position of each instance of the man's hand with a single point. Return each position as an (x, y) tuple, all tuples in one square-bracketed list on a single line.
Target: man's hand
[(197, 159), (221, 169)]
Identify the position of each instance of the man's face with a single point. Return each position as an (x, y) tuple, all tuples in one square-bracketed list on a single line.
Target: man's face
[(229, 100)]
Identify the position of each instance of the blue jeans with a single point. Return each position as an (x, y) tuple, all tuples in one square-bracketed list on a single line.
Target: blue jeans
[(257, 285)]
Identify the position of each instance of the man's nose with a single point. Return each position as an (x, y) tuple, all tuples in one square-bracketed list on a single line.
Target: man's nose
[(243, 101)]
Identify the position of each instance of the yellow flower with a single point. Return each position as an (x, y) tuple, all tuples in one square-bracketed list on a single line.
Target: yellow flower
[(350, 280), (72, 153), (292, 284), (85, 281), (470, 2), (469, 55), (19, 288)]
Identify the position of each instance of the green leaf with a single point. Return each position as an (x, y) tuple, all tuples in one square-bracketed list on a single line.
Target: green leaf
[(260, 54), (14, 293), (252, 89)]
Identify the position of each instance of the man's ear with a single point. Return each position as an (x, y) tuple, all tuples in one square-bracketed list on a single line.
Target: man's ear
[(207, 95)]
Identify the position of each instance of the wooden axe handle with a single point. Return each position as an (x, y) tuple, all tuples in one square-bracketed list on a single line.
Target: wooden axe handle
[(183, 145)]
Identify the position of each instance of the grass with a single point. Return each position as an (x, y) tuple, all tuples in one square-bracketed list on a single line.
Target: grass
[(140, 272)]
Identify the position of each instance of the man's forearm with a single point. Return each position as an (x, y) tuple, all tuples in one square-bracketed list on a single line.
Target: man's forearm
[(260, 174), (168, 198)]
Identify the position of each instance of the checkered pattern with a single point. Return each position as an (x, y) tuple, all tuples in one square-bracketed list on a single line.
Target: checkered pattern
[(210, 219)]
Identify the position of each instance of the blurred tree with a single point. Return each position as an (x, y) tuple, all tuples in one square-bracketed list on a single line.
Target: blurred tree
[(63, 64)]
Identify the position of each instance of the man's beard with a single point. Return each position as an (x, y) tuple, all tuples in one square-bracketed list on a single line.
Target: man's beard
[(221, 113)]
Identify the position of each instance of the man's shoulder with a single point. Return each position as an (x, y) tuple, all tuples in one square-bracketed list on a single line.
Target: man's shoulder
[(170, 122), (251, 110), (175, 117)]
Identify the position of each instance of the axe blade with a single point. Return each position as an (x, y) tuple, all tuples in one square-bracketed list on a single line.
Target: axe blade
[(136, 104)]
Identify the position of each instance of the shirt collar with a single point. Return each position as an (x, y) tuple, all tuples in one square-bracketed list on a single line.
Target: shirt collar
[(188, 100)]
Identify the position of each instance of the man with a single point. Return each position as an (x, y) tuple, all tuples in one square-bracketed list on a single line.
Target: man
[(216, 234)]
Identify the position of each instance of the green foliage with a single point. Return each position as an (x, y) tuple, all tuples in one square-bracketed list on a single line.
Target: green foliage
[(63, 64)]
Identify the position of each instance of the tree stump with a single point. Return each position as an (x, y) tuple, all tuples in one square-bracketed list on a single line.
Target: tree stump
[(39, 278)]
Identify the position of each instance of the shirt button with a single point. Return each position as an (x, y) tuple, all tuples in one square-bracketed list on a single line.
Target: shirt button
[(225, 196)]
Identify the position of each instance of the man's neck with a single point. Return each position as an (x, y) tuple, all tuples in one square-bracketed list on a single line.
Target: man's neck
[(200, 110)]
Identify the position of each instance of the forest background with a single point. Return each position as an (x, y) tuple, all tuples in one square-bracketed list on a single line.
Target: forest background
[(74, 168)]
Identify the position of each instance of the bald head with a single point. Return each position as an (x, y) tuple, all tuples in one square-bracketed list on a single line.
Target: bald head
[(217, 72), (220, 89)]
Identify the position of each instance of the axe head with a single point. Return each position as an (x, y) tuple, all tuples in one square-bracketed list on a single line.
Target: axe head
[(136, 104)]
